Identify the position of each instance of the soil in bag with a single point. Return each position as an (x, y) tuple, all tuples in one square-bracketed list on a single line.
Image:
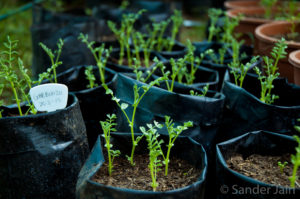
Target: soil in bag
[(247, 167), (184, 150)]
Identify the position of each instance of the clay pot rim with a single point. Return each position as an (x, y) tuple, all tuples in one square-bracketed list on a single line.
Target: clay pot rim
[(234, 4), (234, 12), (294, 59), (269, 39)]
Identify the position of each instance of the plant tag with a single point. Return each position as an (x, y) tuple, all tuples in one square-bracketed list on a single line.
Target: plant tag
[(49, 97)]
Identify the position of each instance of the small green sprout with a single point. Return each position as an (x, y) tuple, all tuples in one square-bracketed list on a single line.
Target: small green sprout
[(108, 126), (154, 147), (90, 77), (203, 94), (278, 52), (238, 69), (295, 159), (177, 21), (54, 58), (124, 5), (100, 54), (139, 93), (173, 132), (282, 166), (214, 15), (268, 5)]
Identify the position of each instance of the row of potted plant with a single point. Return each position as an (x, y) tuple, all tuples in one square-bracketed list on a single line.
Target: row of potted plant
[(144, 98)]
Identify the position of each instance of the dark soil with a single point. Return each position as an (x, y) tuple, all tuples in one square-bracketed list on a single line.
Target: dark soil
[(263, 168), (125, 62), (180, 174)]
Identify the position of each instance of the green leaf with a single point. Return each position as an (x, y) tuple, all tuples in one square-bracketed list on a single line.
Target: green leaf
[(124, 106)]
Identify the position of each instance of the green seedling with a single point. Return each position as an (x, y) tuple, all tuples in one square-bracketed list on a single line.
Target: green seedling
[(214, 15), (108, 126), (1, 101), (268, 5), (154, 147), (238, 69), (124, 5), (173, 132), (139, 93), (11, 69), (161, 42), (101, 55), (282, 166), (203, 92), (266, 81), (54, 58), (90, 77), (295, 159), (294, 20), (177, 21), (120, 35), (125, 34), (192, 59), (297, 127)]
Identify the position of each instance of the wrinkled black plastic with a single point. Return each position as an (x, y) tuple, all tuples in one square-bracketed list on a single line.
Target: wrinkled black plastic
[(184, 148), (178, 51), (50, 27), (203, 76), (244, 112), (41, 155), (94, 103), (230, 182)]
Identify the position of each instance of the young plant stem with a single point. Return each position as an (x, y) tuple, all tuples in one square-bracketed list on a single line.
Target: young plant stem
[(108, 127)]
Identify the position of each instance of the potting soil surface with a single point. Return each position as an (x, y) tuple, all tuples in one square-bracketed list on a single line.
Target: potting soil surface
[(180, 174), (263, 168)]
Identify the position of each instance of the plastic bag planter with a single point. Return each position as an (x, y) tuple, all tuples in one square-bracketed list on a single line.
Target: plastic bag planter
[(178, 51), (41, 155), (94, 103), (185, 148), (49, 27), (244, 112), (204, 112), (233, 185), (203, 76), (114, 58)]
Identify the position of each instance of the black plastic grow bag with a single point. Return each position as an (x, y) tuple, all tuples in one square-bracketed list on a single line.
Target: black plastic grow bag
[(232, 184), (203, 77), (184, 148), (94, 103), (41, 155), (244, 112), (204, 112), (178, 51)]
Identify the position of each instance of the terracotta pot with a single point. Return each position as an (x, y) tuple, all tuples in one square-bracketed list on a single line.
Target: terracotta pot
[(294, 59), (248, 24), (265, 35), (241, 4)]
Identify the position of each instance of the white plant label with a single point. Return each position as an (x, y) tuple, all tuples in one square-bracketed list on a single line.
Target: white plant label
[(49, 97)]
